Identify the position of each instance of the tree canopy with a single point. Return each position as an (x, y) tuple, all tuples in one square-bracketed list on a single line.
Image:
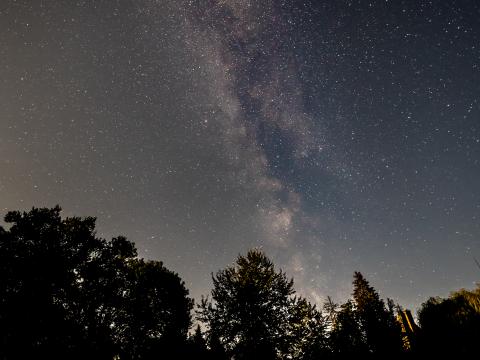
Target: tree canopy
[(380, 329), (364, 324), (66, 292), (254, 313), (450, 325)]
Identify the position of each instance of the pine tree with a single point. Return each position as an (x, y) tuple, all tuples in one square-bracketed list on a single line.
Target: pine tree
[(346, 336), (377, 322)]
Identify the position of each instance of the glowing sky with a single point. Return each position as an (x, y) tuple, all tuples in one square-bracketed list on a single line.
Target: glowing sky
[(335, 135)]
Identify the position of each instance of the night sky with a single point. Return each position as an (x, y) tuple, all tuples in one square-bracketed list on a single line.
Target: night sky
[(335, 135)]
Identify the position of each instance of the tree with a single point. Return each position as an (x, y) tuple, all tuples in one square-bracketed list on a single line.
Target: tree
[(364, 324), (101, 286), (308, 336), (346, 336), (254, 314), (65, 293), (158, 311), (451, 325), (43, 262), (381, 330), (198, 346), (330, 309)]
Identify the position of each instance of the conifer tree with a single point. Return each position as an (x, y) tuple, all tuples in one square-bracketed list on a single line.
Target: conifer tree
[(381, 331), (346, 336)]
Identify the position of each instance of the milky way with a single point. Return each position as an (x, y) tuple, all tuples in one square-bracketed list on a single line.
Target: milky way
[(337, 136)]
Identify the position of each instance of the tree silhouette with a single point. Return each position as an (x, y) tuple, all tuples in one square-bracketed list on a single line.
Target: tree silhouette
[(65, 293), (101, 286), (215, 345), (198, 346), (377, 321), (308, 333), (452, 325), (42, 258), (157, 310), (253, 312), (346, 336), (365, 324)]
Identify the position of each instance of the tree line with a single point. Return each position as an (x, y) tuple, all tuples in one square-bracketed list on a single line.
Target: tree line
[(66, 293)]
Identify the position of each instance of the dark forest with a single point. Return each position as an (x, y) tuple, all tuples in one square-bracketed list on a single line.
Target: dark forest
[(66, 293)]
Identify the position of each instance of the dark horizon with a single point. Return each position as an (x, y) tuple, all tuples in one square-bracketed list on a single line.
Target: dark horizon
[(66, 293)]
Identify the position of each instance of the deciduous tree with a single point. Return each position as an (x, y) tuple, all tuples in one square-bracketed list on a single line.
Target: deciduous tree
[(255, 314)]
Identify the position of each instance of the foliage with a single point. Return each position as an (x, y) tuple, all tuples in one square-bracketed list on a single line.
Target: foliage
[(198, 343), (158, 311), (450, 325), (255, 314), (364, 324), (346, 336), (380, 329), (66, 293)]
